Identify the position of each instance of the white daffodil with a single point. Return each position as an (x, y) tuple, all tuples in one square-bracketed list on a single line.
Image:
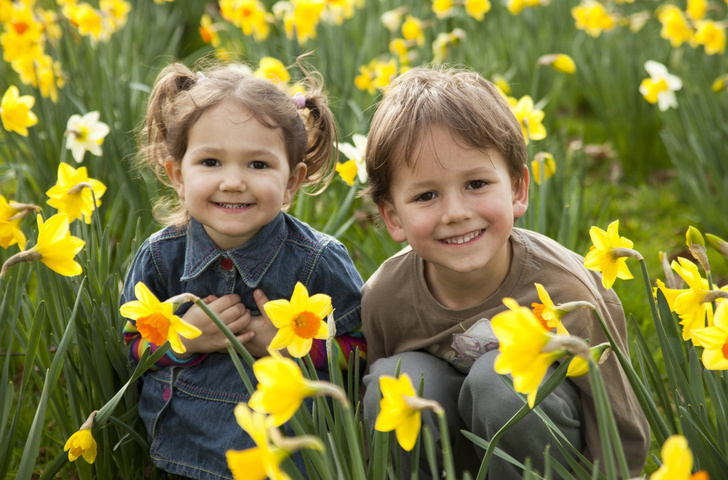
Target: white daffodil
[(661, 86), (356, 153), (85, 133)]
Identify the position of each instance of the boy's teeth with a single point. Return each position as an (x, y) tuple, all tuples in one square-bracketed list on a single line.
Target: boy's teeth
[(232, 205), (464, 238)]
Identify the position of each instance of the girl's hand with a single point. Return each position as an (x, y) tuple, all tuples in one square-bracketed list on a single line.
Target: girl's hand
[(261, 327), (231, 311)]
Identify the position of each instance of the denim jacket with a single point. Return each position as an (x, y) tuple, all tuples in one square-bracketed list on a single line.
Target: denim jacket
[(187, 407)]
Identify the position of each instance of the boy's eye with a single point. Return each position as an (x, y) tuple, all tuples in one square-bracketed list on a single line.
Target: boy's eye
[(258, 165), (209, 162), (477, 184), (425, 197)]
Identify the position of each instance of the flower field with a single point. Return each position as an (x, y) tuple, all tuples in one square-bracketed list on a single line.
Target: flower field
[(624, 107)]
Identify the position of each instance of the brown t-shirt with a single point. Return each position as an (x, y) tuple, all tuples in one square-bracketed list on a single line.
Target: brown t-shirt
[(399, 315)]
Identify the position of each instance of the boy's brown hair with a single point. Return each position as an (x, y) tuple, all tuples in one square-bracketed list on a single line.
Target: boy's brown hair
[(462, 101)]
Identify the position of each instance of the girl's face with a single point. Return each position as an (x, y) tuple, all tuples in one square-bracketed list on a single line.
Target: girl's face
[(234, 177)]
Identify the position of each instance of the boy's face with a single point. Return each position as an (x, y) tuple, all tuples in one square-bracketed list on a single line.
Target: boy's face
[(455, 207)]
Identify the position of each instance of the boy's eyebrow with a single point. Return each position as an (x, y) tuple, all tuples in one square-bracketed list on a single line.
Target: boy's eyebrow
[(473, 172)]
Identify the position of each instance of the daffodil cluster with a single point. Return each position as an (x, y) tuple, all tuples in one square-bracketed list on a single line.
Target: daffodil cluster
[(692, 27)]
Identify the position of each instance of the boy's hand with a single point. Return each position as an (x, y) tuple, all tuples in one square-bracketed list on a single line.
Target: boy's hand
[(233, 314), (261, 327)]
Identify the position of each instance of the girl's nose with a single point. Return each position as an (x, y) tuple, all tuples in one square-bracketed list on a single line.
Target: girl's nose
[(232, 182)]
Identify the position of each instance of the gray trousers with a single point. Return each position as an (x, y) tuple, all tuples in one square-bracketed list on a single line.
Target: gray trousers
[(479, 402)]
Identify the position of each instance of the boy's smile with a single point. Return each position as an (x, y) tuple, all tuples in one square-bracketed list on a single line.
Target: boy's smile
[(456, 206)]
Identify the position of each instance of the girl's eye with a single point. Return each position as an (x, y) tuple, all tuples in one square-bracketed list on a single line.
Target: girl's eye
[(209, 162), (258, 165), (477, 184), (425, 197)]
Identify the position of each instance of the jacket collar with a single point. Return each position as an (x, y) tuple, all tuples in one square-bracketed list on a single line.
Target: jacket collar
[(251, 260)]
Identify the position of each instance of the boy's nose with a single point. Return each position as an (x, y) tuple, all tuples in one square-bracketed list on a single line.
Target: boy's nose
[(455, 210)]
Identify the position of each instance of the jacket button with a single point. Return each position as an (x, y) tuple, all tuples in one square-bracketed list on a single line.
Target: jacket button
[(167, 394), (226, 263)]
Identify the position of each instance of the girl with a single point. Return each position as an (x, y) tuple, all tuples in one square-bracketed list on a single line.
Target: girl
[(235, 148)]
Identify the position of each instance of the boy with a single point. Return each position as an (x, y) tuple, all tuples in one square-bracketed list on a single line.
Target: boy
[(446, 164)]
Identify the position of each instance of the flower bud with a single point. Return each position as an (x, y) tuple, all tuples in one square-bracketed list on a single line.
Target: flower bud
[(718, 243)]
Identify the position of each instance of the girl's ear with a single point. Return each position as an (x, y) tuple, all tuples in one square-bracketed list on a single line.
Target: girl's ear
[(520, 195), (174, 172), (391, 219), (298, 175)]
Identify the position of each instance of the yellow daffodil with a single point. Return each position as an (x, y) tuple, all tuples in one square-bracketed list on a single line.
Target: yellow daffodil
[(522, 340), (413, 29), (714, 340), (208, 31), (57, 246), (86, 19), (661, 86), (604, 257), (689, 304), (347, 171), (282, 387), (501, 84), (85, 133), (711, 36), (336, 11), (299, 321), (74, 193), (248, 15), (549, 166), (272, 69), (355, 153), (720, 83), (558, 61), (115, 13), (10, 219), (156, 321), (546, 312), (677, 461), (529, 118), (395, 413), (15, 111), (365, 79), (696, 9), (477, 8), (42, 72), (578, 367), (81, 443), (675, 26), (443, 8), (593, 18), (516, 6), (263, 460), (306, 17)]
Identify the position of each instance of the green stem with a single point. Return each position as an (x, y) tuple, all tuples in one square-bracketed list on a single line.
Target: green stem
[(446, 446)]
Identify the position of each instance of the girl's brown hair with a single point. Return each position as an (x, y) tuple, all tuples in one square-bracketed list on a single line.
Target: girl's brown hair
[(180, 96)]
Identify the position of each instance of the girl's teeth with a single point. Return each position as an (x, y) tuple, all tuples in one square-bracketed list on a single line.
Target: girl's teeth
[(232, 205)]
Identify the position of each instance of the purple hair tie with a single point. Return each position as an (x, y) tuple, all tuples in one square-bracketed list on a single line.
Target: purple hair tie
[(300, 100)]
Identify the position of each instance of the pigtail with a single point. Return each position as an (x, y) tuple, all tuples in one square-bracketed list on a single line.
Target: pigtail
[(322, 146), (154, 144)]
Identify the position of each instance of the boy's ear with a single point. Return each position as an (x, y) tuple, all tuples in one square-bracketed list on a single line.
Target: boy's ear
[(391, 219), (298, 175), (520, 195), (174, 172)]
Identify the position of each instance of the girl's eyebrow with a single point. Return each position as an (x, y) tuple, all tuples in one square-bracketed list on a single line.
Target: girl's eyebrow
[(215, 151)]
